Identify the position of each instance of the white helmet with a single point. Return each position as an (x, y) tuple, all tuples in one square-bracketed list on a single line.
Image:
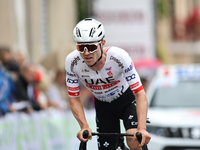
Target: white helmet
[(89, 30)]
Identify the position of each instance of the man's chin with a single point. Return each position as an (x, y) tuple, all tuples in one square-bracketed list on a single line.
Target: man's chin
[(89, 63)]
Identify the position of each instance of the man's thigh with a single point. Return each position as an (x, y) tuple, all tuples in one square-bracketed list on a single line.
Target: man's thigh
[(106, 122)]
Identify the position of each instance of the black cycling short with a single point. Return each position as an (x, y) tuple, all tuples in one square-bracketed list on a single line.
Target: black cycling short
[(108, 117)]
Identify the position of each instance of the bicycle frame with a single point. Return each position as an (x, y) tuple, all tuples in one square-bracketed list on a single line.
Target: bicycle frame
[(119, 136)]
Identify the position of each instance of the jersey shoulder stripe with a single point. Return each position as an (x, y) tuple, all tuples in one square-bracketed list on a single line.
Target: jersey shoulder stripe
[(107, 48)]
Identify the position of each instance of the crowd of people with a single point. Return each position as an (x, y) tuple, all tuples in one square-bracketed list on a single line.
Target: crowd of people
[(27, 87)]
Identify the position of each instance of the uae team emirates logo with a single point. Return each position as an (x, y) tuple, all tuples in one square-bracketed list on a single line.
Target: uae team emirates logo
[(109, 73)]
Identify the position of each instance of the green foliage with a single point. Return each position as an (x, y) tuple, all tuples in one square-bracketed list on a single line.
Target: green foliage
[(82, 6), (163, 8)]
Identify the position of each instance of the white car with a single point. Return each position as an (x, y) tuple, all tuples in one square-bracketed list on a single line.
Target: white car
[(174, 108)]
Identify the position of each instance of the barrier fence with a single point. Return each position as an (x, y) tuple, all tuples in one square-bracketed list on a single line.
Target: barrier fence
[(45, 130)]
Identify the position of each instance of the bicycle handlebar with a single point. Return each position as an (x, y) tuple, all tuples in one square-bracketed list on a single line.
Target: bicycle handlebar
[(83, 145), (113, 135), (139, 138)]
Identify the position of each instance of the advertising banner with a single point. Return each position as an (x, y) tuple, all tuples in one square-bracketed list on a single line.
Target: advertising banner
[(43, 131), (129, 24)]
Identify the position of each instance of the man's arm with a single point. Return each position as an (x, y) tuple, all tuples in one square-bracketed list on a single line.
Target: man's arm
[(78, 112), (142, 109)]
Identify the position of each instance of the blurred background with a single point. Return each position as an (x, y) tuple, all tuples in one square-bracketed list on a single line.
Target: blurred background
[(153, 31), (42, 29), (36, 36)]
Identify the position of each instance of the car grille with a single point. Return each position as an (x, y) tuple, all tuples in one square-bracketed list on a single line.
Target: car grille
[(191, 133)]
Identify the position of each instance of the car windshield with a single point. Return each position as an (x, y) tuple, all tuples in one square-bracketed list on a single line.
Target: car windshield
[(183, 94)]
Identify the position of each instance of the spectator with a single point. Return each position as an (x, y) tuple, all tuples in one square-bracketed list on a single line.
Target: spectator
[(8, 60), (39, 96), (6, 88), (57, 92), (24, 86)]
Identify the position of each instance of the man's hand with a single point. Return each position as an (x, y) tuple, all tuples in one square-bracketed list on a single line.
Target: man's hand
[(145, 137), (80, 135)]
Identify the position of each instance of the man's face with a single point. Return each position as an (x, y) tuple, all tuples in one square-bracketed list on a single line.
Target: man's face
[(91, 57), (29, 74)]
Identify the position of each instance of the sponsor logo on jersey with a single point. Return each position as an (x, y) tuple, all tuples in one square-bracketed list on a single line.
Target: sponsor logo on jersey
[(117, 61), (70, 74), (84, 70), (100, 81), (84, 76), (134, 102), (113, 93), (94, 87), (111, 89), (101, 97), (106, 86), (72, 81), (132, 64), (134, 123), (137, 90), (100, 87), (130, 117), (129, 78), (134, 85), (119, 93), (74, 62), (129, 69), (106, 144), (73, 94), (109, 73), (73, 88), (96, 92), (108, 69)]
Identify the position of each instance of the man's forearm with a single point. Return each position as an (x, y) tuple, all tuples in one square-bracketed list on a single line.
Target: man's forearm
[(78, 112), (142, 109)]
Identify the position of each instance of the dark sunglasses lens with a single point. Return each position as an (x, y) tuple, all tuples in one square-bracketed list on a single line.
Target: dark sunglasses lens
[(80, 48), (90, 48)]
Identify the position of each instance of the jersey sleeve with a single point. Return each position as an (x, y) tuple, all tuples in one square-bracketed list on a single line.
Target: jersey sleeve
[(130, 73), (72, 80)]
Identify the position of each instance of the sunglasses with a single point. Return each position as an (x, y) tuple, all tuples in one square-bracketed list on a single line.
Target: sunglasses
[(90, 47)]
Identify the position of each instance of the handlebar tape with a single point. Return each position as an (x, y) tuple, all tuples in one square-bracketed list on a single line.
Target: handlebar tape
[(85, 134)]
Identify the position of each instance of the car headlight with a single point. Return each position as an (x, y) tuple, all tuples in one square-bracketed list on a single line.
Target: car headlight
[(193, 132), (160, 131)]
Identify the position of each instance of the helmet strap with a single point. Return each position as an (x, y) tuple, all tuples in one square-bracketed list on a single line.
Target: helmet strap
[(99, 57)]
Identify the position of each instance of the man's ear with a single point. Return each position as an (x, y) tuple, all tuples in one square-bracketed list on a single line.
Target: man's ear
[(103, 43)]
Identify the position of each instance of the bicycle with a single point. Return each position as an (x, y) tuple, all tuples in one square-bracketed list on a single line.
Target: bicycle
[(119, 136)]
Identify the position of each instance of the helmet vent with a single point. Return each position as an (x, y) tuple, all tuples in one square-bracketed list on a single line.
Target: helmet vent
[(99, 26), (87, 19), (100, 34), (78, 33), (92, 31)]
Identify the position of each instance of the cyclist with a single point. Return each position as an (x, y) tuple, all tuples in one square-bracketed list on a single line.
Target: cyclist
[(109, 73)]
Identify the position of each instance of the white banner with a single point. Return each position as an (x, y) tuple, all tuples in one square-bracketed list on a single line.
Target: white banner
[(43, 131), (129, 24)]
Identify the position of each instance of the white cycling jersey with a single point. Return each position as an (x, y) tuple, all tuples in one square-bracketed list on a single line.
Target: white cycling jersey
[(117, 74)]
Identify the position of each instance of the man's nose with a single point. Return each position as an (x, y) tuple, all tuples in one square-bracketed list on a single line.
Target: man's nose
[(86, 52)]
